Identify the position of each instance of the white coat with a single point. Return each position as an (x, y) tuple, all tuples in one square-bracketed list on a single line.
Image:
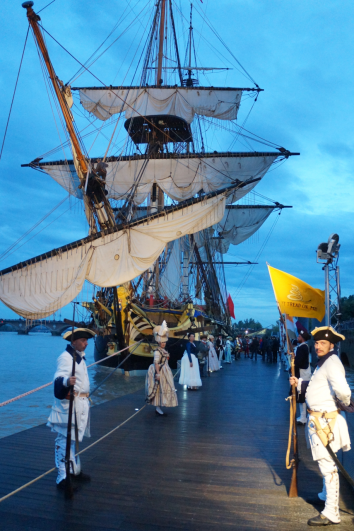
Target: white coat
[(58, 418), (327, 382)]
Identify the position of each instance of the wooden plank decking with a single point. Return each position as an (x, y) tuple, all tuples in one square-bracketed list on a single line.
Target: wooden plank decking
[(216, 462)]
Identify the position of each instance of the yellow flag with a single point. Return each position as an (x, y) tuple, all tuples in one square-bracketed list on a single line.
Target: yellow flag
[(295, 297)]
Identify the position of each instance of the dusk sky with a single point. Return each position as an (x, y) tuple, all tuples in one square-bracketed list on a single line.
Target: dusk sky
[(300, 52)]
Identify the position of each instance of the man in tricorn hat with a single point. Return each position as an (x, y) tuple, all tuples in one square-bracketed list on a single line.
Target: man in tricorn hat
[(326, 394), (302, 364), (58, 418)]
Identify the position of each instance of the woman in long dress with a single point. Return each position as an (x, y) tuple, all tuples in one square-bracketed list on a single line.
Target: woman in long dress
[(159, 384), (213, 360), (190, 375)]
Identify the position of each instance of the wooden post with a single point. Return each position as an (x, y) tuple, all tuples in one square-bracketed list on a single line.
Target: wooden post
[(68, 484), (293, 491)]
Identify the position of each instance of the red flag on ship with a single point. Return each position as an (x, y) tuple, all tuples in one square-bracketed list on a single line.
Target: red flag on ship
[(230, 305)]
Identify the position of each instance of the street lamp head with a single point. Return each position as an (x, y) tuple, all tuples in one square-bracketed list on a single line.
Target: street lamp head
[(328, 251)]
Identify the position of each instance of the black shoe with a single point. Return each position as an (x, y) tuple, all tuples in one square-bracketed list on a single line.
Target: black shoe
[(300, 423), (62, 486), (320, 520), (81, 478), (314, 501)]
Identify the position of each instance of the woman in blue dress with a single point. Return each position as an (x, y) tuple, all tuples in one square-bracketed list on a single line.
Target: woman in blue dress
[(190, 375)]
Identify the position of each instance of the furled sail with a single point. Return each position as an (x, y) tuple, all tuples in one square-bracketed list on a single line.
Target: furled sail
[(38, 287), (238, 224), (184, 102), (180, 176)]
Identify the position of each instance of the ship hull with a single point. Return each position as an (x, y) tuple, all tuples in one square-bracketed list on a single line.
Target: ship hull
[(136, 363)]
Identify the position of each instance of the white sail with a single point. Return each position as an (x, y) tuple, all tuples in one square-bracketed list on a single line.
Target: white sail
[(184, 102), (39, 287), (180, 177), (238, 224)]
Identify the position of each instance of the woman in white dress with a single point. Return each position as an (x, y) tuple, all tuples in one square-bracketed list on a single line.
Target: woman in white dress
[(159, 384), (213, 360), (190, 374)]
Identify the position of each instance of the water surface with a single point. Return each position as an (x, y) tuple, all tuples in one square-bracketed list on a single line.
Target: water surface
[(27, 362)]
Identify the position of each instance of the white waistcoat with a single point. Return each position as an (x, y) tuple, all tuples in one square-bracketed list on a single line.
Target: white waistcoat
[(58, 418), (327, 382)]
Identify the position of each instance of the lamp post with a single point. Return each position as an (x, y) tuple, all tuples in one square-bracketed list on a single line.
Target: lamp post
[(328, 254)]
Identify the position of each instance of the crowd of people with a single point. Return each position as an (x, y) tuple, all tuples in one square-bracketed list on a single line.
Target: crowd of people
[(266, 347)]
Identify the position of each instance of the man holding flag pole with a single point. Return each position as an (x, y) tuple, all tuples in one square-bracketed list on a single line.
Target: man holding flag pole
[(325, 394)]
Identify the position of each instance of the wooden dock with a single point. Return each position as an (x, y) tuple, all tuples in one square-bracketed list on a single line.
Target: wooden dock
[(216, 462)]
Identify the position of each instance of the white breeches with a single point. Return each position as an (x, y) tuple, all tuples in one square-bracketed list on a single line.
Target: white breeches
[(303, 413), (330, 492), (221, 352), (60, 450)]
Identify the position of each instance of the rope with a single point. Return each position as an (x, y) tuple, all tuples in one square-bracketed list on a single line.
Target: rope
[(111, 374), (13, 96), (244, 280), (6, 252), (50, 383), (82, 451)]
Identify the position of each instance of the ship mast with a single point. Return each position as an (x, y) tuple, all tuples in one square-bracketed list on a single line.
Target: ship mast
[(157, 199), (90, 182), (162, 35)]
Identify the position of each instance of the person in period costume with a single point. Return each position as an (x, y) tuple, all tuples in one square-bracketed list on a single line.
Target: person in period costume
[(238, 347), (326, 395), (190, 375), (58, 418), (159, 384), (228, 350), (275, 348), (254, 346), (302, 365), (219, 347), (213, 362), (203, 351)]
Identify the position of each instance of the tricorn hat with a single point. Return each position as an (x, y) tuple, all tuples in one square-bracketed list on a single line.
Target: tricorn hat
[(79, 333), (327, 333), (161, 333), (302, 331)]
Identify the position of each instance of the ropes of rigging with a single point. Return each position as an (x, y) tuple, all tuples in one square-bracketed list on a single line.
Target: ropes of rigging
[(7, 251), (137, 411), (209, 24), (11, 400), (85, 66), (205, 18), (14, 93), (244, 280)]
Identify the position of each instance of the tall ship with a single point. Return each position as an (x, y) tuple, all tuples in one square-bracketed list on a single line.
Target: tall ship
[(164, 201)]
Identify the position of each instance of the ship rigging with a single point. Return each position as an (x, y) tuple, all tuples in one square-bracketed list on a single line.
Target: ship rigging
[(160, 204)]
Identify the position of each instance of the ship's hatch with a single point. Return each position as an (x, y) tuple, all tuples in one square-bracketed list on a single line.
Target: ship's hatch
[(163, 128)]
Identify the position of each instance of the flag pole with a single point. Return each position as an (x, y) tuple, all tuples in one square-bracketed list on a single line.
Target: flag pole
[(294, 463)]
